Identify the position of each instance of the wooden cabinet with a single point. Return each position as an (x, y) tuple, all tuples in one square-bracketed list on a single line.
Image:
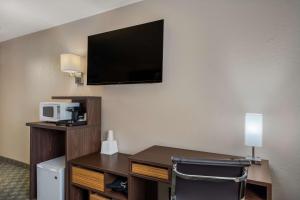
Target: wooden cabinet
[(48, 141)]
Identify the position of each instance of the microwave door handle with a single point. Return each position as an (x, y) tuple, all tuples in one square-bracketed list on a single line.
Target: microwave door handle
[(55, 112)]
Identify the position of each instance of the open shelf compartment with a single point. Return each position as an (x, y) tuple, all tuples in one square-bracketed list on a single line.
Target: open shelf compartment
[(109, 178)]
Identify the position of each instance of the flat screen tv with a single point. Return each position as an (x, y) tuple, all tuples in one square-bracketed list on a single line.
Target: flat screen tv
[(129, 55)]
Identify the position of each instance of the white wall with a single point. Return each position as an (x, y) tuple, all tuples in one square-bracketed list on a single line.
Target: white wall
[(221, 60)]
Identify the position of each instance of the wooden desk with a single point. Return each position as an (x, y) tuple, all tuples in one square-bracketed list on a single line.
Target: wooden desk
[(154, 165), (144, 171)]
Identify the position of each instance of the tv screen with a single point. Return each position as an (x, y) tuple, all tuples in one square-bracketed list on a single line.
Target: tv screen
[(129, 55)]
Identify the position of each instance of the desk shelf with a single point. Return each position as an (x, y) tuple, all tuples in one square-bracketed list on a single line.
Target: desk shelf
[(116, 195), (109, 178), (256, 192)]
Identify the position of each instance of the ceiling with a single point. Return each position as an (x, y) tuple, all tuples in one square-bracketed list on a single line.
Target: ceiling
[(21, 17)]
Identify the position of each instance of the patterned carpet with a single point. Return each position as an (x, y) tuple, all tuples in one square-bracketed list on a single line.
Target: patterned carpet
[(14, 180)]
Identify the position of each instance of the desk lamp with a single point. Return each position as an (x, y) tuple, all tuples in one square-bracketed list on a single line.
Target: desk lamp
[(253, 134)]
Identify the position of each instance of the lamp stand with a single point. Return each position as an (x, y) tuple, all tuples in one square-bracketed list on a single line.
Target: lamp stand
[(254, 160), (78, 78)]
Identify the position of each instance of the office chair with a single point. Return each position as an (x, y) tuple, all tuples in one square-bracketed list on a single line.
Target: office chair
[(209, 179)]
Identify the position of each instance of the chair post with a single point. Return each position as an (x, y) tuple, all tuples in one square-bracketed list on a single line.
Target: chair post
[(173, 185)]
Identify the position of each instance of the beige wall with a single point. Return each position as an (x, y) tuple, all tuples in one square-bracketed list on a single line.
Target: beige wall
[(221, 60)]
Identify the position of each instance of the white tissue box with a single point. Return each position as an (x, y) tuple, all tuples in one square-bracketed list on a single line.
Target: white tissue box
[(109, 147)]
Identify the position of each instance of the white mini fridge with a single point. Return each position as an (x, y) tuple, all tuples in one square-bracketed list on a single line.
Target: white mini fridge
[(51, 179)]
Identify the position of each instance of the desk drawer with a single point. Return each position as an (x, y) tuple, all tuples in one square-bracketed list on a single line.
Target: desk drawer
[(97, 197), (147, 170), (88, 178)]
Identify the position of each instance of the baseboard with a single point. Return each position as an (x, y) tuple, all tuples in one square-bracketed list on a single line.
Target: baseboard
[(14, 162)]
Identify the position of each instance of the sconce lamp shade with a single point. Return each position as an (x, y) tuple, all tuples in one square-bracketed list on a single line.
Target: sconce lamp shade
[(253, 129), (70, 63)]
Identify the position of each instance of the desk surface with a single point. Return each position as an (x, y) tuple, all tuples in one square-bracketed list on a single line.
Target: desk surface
[(161, 156)]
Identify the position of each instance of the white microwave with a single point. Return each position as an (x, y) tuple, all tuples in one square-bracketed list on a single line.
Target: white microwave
[(56, 111)]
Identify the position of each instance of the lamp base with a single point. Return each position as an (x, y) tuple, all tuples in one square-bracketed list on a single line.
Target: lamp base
[(254, 160)]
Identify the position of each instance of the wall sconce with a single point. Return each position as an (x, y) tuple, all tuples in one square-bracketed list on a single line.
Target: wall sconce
[(71, 63), (253, 134)]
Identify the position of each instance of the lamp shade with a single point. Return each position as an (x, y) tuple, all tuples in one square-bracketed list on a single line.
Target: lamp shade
[(70, 63), (253, 129)]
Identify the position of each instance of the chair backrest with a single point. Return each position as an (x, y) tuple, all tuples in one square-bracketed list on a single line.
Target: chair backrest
[(208, 179)]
